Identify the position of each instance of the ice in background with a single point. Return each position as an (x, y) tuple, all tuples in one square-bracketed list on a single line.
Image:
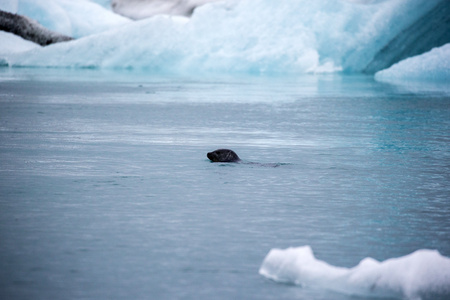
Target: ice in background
[(432, 66), (13, 43), (249, 37)]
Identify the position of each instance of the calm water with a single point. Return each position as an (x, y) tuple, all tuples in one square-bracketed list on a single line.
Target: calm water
[(106, 191)]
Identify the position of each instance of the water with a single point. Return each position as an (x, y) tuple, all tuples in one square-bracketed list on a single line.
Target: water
[(106, 191)]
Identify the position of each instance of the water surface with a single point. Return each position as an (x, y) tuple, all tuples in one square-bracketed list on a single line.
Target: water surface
[(106, 191)]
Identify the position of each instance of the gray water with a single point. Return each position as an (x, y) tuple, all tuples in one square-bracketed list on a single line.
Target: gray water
[(106, 191)]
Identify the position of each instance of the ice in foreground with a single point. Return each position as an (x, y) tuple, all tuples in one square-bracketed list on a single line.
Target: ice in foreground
[(423, 274)]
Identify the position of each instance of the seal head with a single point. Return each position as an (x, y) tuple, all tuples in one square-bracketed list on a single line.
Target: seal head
[(223, 155)]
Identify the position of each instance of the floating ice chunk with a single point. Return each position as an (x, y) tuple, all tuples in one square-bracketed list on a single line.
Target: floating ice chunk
[(424, 274), (433, 65)]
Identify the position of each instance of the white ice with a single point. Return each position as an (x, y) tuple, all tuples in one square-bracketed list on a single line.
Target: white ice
[(431, 66), (12, 43), (424, 274), (251, 36)]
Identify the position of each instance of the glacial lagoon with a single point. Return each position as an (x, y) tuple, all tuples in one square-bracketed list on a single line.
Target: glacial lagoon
[(106, 191)]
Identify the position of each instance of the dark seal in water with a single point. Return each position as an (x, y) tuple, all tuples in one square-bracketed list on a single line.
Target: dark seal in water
[(223, 155)]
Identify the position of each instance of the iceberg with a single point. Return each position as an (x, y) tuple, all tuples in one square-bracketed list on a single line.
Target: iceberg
[(423, 274), (249, 37), (431, 66)]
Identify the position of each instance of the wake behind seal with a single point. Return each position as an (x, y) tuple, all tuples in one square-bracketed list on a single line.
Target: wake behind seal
[(223, 155)]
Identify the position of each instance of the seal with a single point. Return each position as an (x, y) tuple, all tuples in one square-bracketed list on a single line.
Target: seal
[(223, 155)]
